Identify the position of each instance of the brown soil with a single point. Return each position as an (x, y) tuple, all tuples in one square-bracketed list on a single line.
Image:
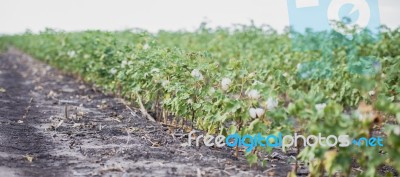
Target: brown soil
[(99, 136)]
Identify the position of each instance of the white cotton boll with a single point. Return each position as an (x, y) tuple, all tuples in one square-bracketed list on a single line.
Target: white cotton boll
[(124, 63), (299, 67), (260, 112), (155, 70), (146, 46), (253, 94), (364, 116), (320, 107), (252, 74), (272, 103), (253, 113), (113, 71), (360, 116), (371, 93), (396, 130), (211, 91), (165, 83), (225, 83), (71, 54), (197, 74)]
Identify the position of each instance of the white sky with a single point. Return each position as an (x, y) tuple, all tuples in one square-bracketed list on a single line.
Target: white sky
[(18, 15)]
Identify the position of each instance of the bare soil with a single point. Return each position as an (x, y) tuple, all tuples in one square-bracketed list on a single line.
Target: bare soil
[(52, 124)]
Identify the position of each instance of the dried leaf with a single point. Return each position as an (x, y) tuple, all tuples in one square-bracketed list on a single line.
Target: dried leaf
[(29, 158)]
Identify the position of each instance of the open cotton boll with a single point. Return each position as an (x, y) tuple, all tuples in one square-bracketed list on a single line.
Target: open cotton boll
[(253, 112), (113, 71), (299, 67), (155, 70), (225, 83), (165, 83), (252, 74), (197, 74), (320, 107), (71, 54), (371, 93), (364, 116), (396, 130), (272, 103), (124, 63), (253, 94), (260, 112), (146, 46), (211, 91)]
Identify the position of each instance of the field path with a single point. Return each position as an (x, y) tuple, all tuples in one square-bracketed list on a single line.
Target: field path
[(53, 125)]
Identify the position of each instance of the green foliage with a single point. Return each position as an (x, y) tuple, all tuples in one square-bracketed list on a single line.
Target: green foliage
[(244, 79)]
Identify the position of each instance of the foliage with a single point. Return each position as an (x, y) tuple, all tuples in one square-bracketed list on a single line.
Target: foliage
[(243, 79)]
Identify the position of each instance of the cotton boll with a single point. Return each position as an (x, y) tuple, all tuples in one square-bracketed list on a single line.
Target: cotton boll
[(252, 74), (260, 112), (197, 74), (320, 107), (211, 91), (396, 130), (113, 71), (360, 116), (253, 113), (71, 54), (253, 94), (225, 83), (155, 70), (124, 63), (299, 67), (371, 93), (165, 83), (271, 103), (146, 46)]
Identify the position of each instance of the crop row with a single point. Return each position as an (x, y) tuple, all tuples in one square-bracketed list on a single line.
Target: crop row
[(248, 80)]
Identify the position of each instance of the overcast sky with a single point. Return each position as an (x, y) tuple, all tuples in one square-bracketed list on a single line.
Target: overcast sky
[(18, 15)]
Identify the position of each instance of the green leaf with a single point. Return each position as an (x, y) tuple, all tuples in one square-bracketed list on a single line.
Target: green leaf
[(232, 129), (251, 158)]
